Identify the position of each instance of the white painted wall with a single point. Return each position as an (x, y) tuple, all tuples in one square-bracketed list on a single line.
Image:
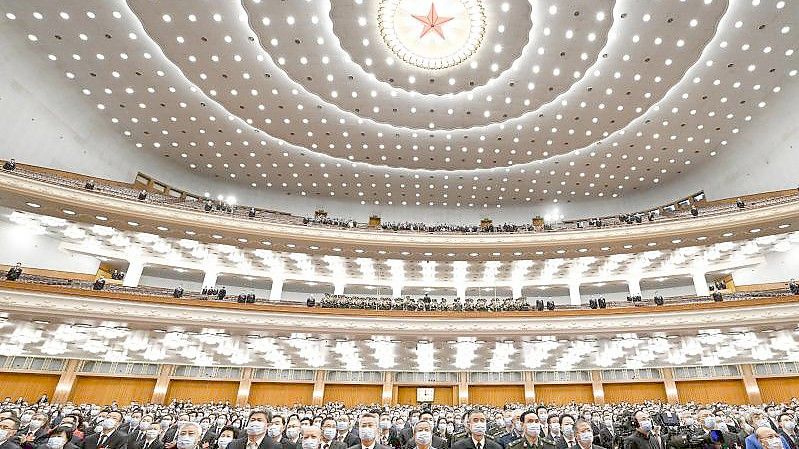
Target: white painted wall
[(19, 244), (778, 267), (54, 125)]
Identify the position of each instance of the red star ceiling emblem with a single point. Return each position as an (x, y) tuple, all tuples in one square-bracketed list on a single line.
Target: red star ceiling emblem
[(432, 21)]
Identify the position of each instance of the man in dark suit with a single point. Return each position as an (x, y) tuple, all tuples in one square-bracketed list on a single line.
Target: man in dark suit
[(35, 433), (137, 434), (709, 422), (345, 434), (8, 428), (585, 435), (567, 438), (256, 433), (367, 432), (787, 430), (110, 437), (438, 442), (476, 425), (150, 439), (328, 437), (642, 437), (406, 434), (171, 433)]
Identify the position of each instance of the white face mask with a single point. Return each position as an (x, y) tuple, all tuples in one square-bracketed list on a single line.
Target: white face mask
[(533, 429), (329, 433), (586, 437), (151, 434), (255, 428), (186, 442), (35, 423), (3, 435), (310, 443), (479, 428), (292, 432), (273, 431), (56, 442), (222, 442), (424, 438), (774, 443), (109, 424)]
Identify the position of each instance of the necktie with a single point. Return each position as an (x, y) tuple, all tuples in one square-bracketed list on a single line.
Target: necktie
[(480, 445), (251, 445), (325, 446), (102, 441)]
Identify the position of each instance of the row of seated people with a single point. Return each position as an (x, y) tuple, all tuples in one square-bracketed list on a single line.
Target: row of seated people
[(426, 303), (251, 212), (466, 229), (221, 425), (337, 222)]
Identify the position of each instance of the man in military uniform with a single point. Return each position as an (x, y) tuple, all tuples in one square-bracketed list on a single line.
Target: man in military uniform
[(496, 429), (531, 434), (515, 429)]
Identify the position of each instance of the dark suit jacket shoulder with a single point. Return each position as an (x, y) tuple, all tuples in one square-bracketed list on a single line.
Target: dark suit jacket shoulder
[(266, 443), (467, 443), (156, 444), (8, 444), (377, 446), (117, 440), (336, 444), (639, 441)]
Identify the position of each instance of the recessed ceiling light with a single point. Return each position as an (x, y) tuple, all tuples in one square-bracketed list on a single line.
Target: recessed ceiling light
[(33, 205), (101, 218)]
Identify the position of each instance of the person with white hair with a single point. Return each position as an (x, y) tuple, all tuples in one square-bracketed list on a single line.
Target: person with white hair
[(189, 435)]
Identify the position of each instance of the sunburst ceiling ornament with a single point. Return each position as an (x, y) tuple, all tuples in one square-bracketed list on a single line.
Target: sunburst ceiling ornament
[(406, 26)]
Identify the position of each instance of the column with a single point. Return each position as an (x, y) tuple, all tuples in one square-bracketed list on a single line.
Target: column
[(318, 388), (700, 283), (634, 285), (517, 290), (750, 383), (209, 280), (599, 389), (671, 387), (460, 291), (276, 292), (133, 273), (463, 388), (574, 293), (338, 288), (396, 291), (388, 388), (243, 395), (529, 387), (162, 384), (65, 383)]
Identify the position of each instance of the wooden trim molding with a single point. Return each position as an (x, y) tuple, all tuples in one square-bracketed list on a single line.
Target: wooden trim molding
[(89, 304)]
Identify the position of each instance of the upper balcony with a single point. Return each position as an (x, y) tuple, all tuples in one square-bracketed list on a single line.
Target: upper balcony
[(113, 204)]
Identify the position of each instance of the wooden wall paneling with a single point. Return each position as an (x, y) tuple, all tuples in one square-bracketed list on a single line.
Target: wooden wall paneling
[(353, 394), (28, 386), (201, 391), (563, 393), (276, 393), (634, 392), (104, 390), (710, 391), (497, 395), (442, 395), (778, 389)]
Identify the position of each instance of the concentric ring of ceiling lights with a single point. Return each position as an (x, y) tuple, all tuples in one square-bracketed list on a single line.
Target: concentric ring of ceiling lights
[(399, 22), (672, 83)]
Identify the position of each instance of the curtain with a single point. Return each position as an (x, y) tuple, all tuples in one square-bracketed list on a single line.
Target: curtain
[(104, 390), (353, 394), (280, 393), (708, 391), (497, 395), (564, 394), (28, 386), (634, 392), (200, 391)]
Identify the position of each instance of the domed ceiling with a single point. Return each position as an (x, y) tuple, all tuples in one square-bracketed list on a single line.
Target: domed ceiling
[(442, 103)]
